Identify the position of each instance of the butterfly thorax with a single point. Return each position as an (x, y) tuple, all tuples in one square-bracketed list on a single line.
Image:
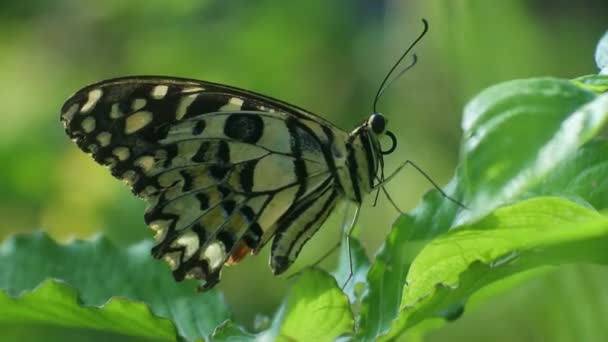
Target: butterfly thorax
[(362, 163)]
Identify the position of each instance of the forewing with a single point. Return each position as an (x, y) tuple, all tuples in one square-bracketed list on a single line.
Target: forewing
[(218, 166)]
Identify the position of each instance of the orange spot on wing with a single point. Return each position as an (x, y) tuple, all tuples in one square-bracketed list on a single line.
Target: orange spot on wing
[(238, 254)]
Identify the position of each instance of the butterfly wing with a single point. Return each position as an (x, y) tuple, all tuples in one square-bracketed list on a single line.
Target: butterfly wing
[(223, 170)]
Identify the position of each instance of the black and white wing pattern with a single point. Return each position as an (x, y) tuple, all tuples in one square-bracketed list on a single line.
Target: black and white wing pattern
[(223, 170)]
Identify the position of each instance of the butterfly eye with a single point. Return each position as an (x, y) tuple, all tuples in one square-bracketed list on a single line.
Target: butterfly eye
[(377, 122)]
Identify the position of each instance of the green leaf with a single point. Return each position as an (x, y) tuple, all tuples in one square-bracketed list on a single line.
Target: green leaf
[(537, 232), (315, 310), (100, 271), (516, 134), (581, 177), (55, 303), (601, 54)]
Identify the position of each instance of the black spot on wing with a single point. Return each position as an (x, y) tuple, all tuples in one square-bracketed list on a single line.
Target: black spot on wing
[(218, 172), (171, 151), (201, 155), (253, 237), (187, 186), (223, 152), (199, 127), (200, 232), (228, 207), (224, 191), (246, 175), (244, 127), (247, 213), (203, 201), (227, 239)]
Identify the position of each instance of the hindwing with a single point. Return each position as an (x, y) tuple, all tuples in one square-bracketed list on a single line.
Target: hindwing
[(222, 169)]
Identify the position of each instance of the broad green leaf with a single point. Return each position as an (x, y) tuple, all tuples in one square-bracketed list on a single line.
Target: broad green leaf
[(601, 54), (516, 134), (315, 310), (100, 271), (581, 178), (537, 232), (55, 303)]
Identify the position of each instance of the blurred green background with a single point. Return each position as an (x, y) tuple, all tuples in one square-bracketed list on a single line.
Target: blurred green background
[(326, 56)]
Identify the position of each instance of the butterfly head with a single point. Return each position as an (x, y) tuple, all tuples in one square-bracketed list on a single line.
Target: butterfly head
[(376, 128), (377, 123)]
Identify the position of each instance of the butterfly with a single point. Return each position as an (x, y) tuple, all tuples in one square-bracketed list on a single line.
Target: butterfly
[(224, 170)]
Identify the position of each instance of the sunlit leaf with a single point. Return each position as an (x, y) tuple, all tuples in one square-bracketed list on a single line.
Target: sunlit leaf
[(55, 303), (537, 232), (314, 310), (517, 132)]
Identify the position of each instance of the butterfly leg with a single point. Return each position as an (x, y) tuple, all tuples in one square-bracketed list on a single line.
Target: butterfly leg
[(348, 231), (411, 163)]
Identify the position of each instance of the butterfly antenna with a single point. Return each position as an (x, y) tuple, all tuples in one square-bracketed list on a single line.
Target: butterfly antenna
[(411, 65), (388, 75)]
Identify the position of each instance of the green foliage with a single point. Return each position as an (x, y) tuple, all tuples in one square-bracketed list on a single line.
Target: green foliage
[(97, 274), (534, 176)]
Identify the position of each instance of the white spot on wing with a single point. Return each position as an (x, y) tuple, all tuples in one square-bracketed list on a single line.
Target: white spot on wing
[(111, 161), (94, 96), (145, 162), (190, 241), (138, 104), (104, 138), (93, 148), (160, 228), (215, 254), (184, 103), (193, 90), (233, 105), (171, 259), (115, 113), (159, 92), (122, 153), (88, 124), (137, 121), (68, 115), (128, 177)]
